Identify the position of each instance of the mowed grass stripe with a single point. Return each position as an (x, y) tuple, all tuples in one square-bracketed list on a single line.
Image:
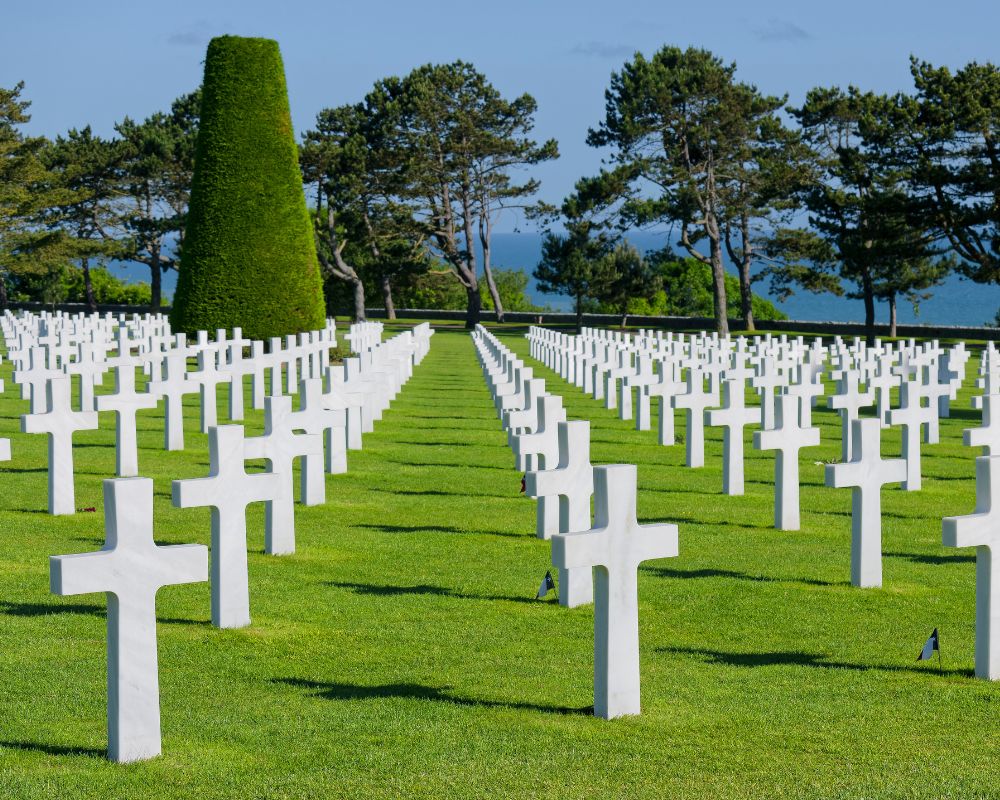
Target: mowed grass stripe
[(399, 653)]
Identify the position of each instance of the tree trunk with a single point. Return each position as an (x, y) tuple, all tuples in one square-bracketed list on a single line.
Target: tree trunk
[(359, 300), (88, 286), (719, 288), (390, 307), (868, 292), (494, 294), (624, 319), (4, 300), (743, 259), (892, 314), (474, 307), (155, 279), (579, 314)]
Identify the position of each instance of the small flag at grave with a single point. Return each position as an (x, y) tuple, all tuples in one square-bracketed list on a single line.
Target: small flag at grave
[(930, 646), (547, 586)]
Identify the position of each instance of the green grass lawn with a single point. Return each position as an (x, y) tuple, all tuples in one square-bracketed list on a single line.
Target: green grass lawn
[(399, 652)]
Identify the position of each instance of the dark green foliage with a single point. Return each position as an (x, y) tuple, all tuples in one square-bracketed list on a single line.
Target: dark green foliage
[(687, 291), (435, 289), (249, 258), (631, 280), (67, 285), (512, 286)]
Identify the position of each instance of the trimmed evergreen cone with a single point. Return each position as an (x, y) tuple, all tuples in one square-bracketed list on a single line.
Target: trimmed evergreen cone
[(249, 257)]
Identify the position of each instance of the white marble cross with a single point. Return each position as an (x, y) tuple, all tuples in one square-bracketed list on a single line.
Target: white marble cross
[(313, 416), (987, 435), (805, 387), (766, 383), (615, 547), (665, 388), (732, 417), (280, 446), (867, 473), (173, 386), (228, 489), (912, 416), (525, 419), (207, 378), (981, 530), (695, 400), (849, 400), (787, 437), (130, 568), (882, 382), (36, 379), (60, 422), (125, 403), (540, 450), (571, 480), (91, 372)]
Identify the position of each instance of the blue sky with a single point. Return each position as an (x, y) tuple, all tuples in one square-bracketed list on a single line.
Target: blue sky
[(96, 62)]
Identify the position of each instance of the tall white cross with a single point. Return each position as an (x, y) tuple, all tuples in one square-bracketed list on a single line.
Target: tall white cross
[(540, 450), (849, 400), (60, 422), (125, 403), (665, 388), (207, 378), (805, 387), (228, 489), (732, 417), (280, 446), (787, 437), (911, 415), (173, 385), (882, 383), (981, 530), (867, 473), (314, 417), (695, 400), (523, 420), (36, 378), (130, 568), (571, 480), (766, 383), (615, 547), (91, 372), (986, 435)]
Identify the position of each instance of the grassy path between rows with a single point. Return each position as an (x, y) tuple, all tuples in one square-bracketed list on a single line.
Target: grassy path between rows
[(399, 652)]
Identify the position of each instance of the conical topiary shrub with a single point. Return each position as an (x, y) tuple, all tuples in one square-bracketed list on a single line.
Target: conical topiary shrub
[(249, 257)]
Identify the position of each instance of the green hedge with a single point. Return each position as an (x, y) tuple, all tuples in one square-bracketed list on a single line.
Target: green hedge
[(249, 257)]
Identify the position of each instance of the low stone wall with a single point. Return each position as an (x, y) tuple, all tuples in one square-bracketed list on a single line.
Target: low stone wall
[(701, 323), (611, 320)]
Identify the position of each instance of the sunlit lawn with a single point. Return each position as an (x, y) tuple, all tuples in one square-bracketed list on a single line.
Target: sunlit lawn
[(400, 651)]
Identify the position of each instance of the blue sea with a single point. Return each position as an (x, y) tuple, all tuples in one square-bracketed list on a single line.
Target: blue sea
[(955, 302)]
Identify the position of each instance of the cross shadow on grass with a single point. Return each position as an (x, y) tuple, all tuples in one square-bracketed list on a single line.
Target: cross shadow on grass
[(54, 749), (381, 590), (440, 529), (927, 558), (443, 444), (670, 572), (798, 658), (10, 609), (440, 493), (416, 691)]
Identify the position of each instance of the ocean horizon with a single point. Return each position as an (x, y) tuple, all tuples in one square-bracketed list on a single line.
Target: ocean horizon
[(957, 301)]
